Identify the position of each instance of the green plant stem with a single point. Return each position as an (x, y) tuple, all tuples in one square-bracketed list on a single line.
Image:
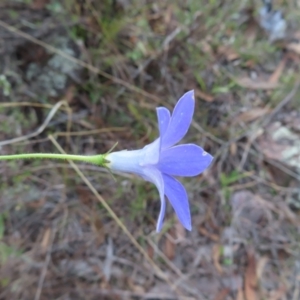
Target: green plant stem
[(93, 159)]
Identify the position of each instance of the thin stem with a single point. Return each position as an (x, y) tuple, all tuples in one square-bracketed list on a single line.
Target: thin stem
[(93, 159)]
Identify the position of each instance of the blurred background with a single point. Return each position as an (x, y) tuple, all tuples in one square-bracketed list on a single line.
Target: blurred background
[(100, 68)]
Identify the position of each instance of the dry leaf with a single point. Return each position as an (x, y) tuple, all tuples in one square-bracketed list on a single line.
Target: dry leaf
[(251, 115), (229, 53), (216, 258), (69, 94), (98, 228), (294, 45), (39, 4), (46, 239), (169, 249), (251, 31), (240, 294), (250, 278), (206, 233), (206, 48), (248, 209), (180, 231), (233, 149), (150, 251), (274, 78), (84, 195), (293, 56), (134, 287), (222, 294), (281, 144), (261, 266), (250, 63), (204, 96), (255, 85), (36, 204), (279, 294)]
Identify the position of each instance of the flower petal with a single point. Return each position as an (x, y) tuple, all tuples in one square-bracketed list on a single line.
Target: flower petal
[(177, 196), (163, 116), (153, 175), (184, 160), (161, 215), (150, 153), (134, 161), (126, 161), (180, 121)]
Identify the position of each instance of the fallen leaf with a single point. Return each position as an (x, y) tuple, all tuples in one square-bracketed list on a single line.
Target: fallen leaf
[(274, 78), (233, 149), (293, 56), (248, 209), (204, 96), (228, 53), (180, 231), (169, 248), (294, 45), (216, 253), (36, 204), (39, 4), (206, 48), (279, 294), (134, 287), (250, 63), (46, 239), (98, 228), (261, 266), (240, 294), (222, 294), (251, 115), (255, 85), (84, 195), (281, 144), (251, 278), (69, 94), (251, 31), (206, 233), (150, 251)]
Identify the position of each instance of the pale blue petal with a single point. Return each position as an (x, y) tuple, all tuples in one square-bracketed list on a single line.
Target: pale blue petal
[(163, 117), (178, 198), (134, 161), (161, 215), (126, 161), (153, 175), (180, 121), (150, 154), (184, 160)]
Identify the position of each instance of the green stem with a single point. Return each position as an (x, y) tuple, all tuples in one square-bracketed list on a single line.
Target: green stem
[(93, 159)]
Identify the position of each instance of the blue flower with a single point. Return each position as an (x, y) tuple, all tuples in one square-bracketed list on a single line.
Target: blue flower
[(160, 161)]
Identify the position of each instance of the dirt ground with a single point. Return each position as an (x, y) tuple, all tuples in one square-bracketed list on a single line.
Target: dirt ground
[(81, 75)]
